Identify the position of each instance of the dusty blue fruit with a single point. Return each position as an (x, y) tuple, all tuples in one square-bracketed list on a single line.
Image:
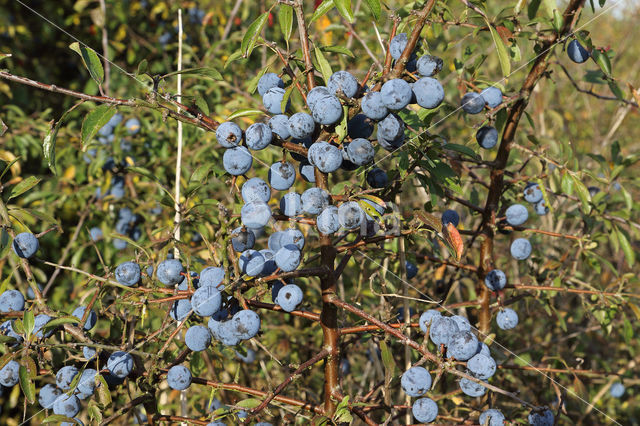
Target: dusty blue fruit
[(237, 161), (520, 249), (377, 178), (441, 330), (120, 364), (507, 319), (25, 245), (314, 200), (429, 92), (170, 272), (307, 171), (541, 208), (197, 338), (327, 110), (211, 276), (242, 239), (495, 280), (577, 53), (397, 45), (326, 157), (532, 192), (268, 81), (95, 233), (11, 301), (206, 301), (279, 125), (516, 214), (429, 65), (327, 221), (462, 345), (316, 94), (251, 262), (425, 410), (291, 204), (255, 214), (288, 258), (87, 381), (179, 377), (350, 215), (132, 125), (301, 125), (482, 366), (180, 309), (391, 129), (492, 96), (258, 136), (396, 94), (617, 390), (450, 217), (471, 388), (48, 395), (360, 126), (245, 324), (373, 106), (360, 151), (272, 100), (6, 328), (91, 320), (462, 322), (541, 418), (40, 321), (66, 405), (289, 297), (343, 82), (472, 103), (282, 175), (412, 269), (428, 318), (487, 137), (9, 374), (88, 353), (229, 134), (292, 236), (491, 417), (416, 381)]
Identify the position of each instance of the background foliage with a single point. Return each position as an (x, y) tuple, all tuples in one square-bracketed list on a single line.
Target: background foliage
[(569, 141)]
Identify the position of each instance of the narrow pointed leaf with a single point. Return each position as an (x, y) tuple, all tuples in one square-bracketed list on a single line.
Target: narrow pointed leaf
[(91, 61), (93, 121)]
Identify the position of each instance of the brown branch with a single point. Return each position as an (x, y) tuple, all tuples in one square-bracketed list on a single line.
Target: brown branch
[(303, 314), (317, 357), (298, 6)]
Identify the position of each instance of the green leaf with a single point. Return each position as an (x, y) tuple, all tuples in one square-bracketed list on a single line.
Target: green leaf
[(3, 128), (503, 56), (204, 72), (461, 149), (583, 194), (28, 322), (629, 254), (54, 323), (142, 67), (104, 396), (91, 61), (602, 60), (249, 403), (285, 19), (387, 358), (244, 113), (96, 118), (3, 56), (49, 142), (24, 186), (338, 49), (374, 7), (4, 359), (344, 9), (324, 7), (251, 36), (323, 65), (26, 384), (59, 418), (615, 89)]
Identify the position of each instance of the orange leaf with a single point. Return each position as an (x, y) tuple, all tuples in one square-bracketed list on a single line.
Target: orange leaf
[(453, 238), (504, 34)]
